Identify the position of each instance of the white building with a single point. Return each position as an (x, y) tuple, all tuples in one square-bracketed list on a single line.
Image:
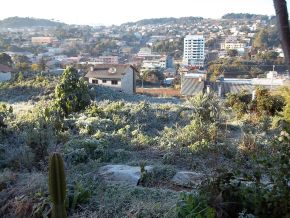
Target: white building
[(232, 45), (193, 50)]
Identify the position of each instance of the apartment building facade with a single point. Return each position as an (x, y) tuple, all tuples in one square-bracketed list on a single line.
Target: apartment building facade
[(193, 52)]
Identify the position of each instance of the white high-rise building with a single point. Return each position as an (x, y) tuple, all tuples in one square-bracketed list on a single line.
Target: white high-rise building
[(193, 52)]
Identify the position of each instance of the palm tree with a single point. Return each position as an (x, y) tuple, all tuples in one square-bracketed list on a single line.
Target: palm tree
[(283, 25)]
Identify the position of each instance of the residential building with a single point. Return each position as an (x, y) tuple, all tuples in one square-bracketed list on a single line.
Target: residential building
[(232, 45), (121, 77), (166, 62), (147, 54), (194, 50), (232, 42), (43, 40), (109, 59)]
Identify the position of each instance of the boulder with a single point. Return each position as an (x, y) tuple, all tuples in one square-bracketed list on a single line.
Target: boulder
[(122, 173), (188, 179)]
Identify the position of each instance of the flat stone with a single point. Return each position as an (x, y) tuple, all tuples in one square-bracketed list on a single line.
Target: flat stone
[(122, 173), (188, 179)]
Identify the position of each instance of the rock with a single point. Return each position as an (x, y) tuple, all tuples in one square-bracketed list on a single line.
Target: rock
[(122, 173), (188, 179)]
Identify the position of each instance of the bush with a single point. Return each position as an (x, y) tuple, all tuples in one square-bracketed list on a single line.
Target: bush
[(260, 197), (81, 150), (263, 104), (192, 205), (40, 136), (77, 195), (5, 114), (141, 141), (71, 94)]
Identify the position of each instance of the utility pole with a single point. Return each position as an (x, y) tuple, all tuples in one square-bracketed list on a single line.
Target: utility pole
[(284, 30)]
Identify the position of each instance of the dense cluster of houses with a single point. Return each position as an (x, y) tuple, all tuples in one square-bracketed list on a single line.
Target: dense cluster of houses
[(117, 66)]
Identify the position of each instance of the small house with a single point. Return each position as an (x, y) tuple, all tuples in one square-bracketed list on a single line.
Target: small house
[(121, 77)]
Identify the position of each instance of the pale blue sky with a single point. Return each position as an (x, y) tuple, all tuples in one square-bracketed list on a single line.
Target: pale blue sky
[(119, 11)]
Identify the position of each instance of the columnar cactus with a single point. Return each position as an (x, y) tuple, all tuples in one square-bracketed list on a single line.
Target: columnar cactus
[(57, 185)]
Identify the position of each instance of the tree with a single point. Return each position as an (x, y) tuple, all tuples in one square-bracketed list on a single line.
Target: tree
[(5, 59), (177, 66), (22, 62), (72, 93), (284, 30), (42, 64), (233, 52), (255, 71), (35, 67)]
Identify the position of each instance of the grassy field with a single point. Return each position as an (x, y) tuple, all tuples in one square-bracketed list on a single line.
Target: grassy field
[(200, 135)]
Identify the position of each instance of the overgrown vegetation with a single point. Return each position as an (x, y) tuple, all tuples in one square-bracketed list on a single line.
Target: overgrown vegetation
[(246, 163)]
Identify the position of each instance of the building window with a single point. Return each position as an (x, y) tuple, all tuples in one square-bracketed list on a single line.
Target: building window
[(94, 81), (104, 81), (114, 82)]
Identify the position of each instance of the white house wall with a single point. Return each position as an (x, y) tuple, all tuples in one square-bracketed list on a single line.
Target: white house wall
[(108, 83), (5, 76)]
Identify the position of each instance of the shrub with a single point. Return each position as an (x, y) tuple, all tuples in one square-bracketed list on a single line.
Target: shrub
[(263, 104), (39, 136), (258, 196), (157, 176), (71, 94), (81, 150), (77, 195), (5, 114), (192, 205), (141, 141)]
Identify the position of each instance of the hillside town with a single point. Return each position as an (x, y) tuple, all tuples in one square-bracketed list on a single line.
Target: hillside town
[(174, 117), (165, 52)]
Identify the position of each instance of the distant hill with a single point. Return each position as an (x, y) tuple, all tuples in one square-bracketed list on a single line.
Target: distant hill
[(20, 22), (167, 20), (241, 16)]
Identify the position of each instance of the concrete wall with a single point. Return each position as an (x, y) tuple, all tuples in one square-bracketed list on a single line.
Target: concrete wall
[(5, 76)]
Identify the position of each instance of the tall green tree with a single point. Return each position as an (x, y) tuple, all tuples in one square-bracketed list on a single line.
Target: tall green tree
[(5, 59), (72, 93)]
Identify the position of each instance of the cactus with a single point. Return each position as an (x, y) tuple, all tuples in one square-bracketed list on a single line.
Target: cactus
[(57, 185)]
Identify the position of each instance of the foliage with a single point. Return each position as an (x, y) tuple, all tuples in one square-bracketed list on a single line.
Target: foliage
[(57, 185), (263, 104), (5, 114), (169, 47), (80, 151), (39, 136), (233, 52), (266, 38), (206, 107), (264, 191), (20, 22), (201, 134), (78, 194), (244, 16), (5, 59), (285, 93), (72, 94), (193, 206)]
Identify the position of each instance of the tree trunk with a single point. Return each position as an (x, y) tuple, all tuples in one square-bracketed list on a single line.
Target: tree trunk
[(284, 30)]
